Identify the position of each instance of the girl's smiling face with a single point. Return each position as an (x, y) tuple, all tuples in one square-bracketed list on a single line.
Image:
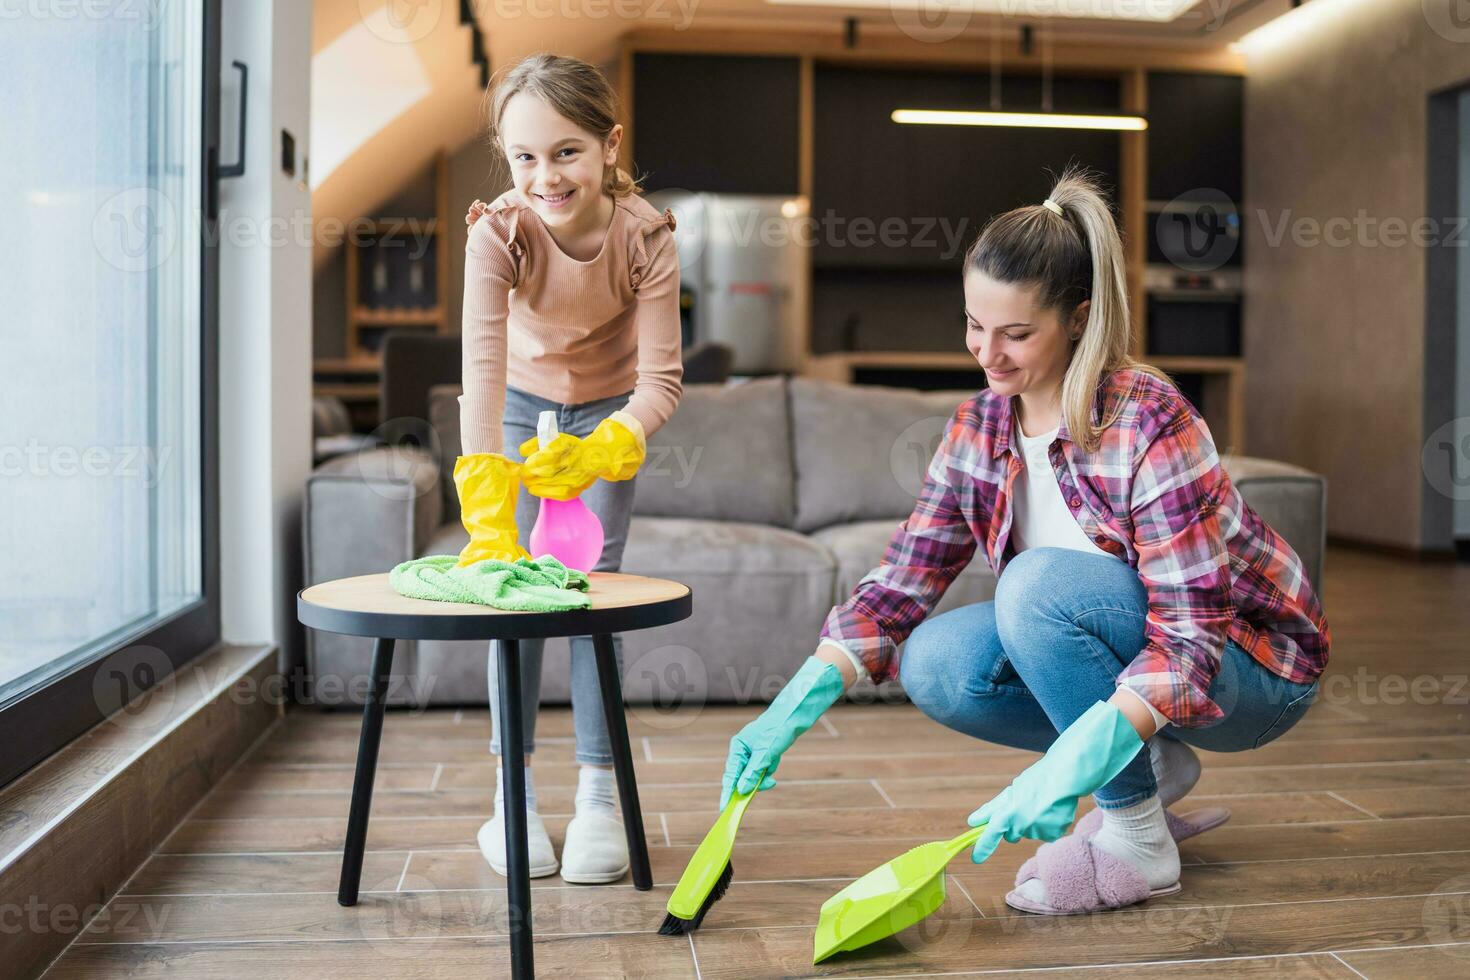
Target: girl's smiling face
[(555, 164), (1023, 349)]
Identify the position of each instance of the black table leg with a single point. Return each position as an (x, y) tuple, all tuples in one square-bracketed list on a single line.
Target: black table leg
[(367, 765), (517, 851), (617, 730)]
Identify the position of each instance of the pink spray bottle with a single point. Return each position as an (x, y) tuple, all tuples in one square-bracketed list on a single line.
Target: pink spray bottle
[(567, 530)]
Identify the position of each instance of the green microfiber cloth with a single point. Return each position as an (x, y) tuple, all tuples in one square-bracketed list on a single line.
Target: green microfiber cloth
[(524, 585)]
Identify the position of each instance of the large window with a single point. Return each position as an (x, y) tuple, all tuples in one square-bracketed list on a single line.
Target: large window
[(106, 340)]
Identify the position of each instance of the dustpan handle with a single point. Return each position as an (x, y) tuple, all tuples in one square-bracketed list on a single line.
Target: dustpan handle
[(967, 839)]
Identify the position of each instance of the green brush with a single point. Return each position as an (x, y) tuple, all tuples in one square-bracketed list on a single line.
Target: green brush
[(709, 871), (888, 899)]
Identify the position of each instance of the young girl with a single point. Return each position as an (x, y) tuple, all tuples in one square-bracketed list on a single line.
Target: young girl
[(1137, 594), (570, 305)]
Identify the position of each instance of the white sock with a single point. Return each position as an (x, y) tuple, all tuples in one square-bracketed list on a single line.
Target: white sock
[(1176, 768), (500, 790), (595, 789), (1138, 834)]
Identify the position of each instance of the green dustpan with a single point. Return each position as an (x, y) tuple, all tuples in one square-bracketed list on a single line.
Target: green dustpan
[(710, 859), (888, 899)]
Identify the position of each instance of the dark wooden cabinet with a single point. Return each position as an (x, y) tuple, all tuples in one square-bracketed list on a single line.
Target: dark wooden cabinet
[(1195, 134), (938, 184), (719, 123)]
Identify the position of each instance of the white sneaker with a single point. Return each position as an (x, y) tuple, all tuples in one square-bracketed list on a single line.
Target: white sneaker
[(538, 844), (596, 849)]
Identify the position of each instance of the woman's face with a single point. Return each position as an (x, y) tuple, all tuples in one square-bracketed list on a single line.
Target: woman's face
[(1021, 347), (556, 165)]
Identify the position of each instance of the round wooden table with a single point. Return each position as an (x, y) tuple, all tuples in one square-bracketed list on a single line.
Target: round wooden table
[(366, 605)]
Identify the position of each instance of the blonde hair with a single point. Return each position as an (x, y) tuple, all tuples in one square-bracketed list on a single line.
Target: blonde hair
[(575, 90), (1072, 257)]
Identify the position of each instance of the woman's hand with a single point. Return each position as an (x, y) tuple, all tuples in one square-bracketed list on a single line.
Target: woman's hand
[(1042, 801), (757, 748)]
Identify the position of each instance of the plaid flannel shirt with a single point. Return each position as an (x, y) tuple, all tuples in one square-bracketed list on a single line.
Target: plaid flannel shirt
[(1155, 495)]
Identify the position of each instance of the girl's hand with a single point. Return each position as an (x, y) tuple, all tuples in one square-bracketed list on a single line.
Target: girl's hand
[(476, 209), (568, 465)]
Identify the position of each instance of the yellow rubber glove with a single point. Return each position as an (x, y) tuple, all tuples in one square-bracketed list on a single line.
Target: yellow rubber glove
[(568, 465), (488, 484)]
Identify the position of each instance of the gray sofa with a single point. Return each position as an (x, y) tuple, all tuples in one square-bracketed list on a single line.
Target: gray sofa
[(770, 499)]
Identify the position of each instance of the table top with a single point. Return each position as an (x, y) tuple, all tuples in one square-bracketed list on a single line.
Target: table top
[(366, 605)]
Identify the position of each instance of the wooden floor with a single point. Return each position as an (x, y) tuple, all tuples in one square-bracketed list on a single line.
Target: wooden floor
[(1348, 853)]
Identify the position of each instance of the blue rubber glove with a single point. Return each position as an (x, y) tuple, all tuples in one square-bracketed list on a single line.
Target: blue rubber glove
[(757, 747), (1042, 801)]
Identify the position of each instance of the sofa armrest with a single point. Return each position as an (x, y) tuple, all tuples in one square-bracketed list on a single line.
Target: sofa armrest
[(366, 512), (1292, 499)]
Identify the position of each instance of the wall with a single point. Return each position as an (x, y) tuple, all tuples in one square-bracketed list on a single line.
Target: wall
[(264, 327), (1336, 98)]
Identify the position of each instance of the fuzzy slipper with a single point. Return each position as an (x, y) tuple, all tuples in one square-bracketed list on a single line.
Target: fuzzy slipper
[(1181, 828), (1082, 878)]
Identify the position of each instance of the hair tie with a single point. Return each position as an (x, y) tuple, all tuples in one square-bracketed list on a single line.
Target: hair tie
[(1052, 205)]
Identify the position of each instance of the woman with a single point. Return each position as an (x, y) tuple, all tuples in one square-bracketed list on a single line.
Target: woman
[(1140, 600)]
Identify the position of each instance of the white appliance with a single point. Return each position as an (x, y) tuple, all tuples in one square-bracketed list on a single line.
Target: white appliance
[(744, 273)]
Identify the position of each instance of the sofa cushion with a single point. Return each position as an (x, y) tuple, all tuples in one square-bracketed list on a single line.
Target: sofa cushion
[(724, 456), (760, 596), (861, 451)]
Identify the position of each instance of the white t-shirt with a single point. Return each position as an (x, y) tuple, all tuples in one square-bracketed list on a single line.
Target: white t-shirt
[(1040, 517)]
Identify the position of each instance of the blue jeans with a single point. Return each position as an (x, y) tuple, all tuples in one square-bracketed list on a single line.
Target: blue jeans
[(1063, 625), (613, 505)]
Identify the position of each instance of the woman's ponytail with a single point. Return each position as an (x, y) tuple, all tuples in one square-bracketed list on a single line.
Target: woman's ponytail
[(1069, 246)]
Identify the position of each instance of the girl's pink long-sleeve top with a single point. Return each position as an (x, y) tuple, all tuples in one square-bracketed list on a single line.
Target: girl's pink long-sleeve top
[(540, 321)]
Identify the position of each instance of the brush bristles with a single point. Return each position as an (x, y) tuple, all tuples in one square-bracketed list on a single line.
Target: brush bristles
[(675, 926)]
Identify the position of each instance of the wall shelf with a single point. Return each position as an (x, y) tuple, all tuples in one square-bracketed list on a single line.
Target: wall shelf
[(353, 378)]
